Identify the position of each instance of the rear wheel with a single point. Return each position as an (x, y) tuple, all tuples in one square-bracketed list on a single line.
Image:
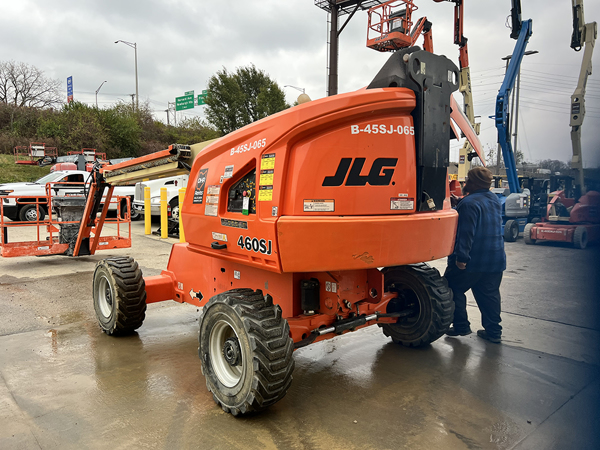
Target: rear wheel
[(423, 291), (511, 230), (245, 350), (580, 237), (527, 234), (29, 213), (119, 295), (174, 204)]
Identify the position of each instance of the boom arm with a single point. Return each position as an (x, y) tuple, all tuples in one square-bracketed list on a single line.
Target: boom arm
[(502, 116), (584, 35)]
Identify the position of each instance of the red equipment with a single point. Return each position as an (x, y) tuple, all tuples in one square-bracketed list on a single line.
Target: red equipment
[(34, 154), (568, 221), (64, 230), (63, 166)]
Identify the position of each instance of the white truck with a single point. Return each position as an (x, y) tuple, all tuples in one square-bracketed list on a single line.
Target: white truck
[(35, 191), (173, 184)]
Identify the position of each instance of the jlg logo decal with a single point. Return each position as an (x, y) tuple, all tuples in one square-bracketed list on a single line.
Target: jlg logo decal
[(255, 245), (378, 176)]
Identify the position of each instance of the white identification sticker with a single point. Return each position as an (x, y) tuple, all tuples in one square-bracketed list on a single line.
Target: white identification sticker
[(43, 248), (236, 274), (211, 210), (246, 203), (103, 243), (319, 205), (213, 190), (228, 172), (219, 236), (403, 204)]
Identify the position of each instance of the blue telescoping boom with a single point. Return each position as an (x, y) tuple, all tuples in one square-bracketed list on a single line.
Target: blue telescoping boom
[(502, 116)]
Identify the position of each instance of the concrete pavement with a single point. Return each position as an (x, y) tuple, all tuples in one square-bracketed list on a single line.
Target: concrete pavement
[(65, 384)]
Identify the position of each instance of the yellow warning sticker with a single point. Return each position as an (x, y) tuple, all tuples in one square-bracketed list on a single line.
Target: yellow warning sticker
[(267, 161), (266, 177), (265, 193)]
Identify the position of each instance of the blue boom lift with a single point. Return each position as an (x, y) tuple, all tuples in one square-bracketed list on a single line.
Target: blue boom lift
[(515, 205)]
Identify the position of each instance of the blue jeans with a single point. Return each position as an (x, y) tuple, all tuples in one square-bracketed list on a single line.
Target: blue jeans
[(486, 290)]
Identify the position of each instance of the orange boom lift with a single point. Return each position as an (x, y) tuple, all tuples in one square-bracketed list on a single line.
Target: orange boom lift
[(305, 225)]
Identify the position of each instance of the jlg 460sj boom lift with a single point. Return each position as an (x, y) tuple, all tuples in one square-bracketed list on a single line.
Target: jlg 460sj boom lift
[(305, 225)]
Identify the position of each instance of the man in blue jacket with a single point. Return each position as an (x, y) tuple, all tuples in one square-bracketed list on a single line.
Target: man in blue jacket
[(478, 259)]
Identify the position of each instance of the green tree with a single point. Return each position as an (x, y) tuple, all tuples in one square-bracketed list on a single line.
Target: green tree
[(237, 99)]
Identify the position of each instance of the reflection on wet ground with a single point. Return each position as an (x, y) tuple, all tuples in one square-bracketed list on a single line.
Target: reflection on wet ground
[(74, 387)]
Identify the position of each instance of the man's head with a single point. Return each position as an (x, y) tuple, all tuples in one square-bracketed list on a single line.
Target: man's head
[(478, 178)]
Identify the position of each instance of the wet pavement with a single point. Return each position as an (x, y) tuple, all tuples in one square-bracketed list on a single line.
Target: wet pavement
[(64, 384)]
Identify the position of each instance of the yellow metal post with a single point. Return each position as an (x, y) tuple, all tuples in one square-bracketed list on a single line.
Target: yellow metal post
[(181, 198), (164, 227), (147, 212)]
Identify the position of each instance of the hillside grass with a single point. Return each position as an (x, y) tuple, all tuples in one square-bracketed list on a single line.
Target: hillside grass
[(10, 172)]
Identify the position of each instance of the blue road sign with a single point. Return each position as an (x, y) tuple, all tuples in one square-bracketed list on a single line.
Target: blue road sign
[(69, 89)]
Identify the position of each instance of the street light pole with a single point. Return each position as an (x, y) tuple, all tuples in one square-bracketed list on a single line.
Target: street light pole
[(98, 90), (133, 45)]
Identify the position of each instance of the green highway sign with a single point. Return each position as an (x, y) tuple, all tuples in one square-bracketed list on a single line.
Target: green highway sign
[(202, 98), (184, 102), (189, 93)]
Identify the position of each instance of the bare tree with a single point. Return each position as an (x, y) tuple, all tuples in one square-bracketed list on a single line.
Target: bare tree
[(24, 85)]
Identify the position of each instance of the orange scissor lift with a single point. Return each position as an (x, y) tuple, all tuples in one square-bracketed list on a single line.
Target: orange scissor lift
[(34, 153), (305, 225), (64, 231)]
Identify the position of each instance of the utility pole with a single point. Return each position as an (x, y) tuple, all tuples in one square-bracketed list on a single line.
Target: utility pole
[(132, 100)]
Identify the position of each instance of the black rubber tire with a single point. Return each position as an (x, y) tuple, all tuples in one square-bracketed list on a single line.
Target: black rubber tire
[(264, 373), (580, 237), (174, 204), (527, 234), (535, 220), (119, 293), (511, 230), (28, 213), (422, 288), (134, 214)]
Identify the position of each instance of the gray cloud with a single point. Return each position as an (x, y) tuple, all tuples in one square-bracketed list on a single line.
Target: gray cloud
[(181, 43)]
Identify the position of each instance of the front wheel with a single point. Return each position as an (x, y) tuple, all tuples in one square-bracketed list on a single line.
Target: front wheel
[(424, 293), (29, 213), (174, 204), (527, 234), (245, 350), (580, 237), (511, 230), (119, 295)]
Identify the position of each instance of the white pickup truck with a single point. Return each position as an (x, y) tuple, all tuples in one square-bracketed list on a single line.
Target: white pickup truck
[(173, 184), (32, 191)]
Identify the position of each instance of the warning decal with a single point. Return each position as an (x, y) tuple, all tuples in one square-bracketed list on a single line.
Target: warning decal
[(267, 161), (402, 204), (266, 177), (265, 193), (319, 205)]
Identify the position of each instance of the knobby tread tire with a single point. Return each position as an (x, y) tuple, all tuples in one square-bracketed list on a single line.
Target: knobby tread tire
[(271, 348), (439, 295), (129, 309)]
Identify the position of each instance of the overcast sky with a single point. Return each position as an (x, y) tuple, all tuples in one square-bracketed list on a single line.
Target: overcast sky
[(181, 43)]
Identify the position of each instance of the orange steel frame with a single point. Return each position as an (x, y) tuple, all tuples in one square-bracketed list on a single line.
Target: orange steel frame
[(23, 154), (341, 249), (91, 151), (50, 245)]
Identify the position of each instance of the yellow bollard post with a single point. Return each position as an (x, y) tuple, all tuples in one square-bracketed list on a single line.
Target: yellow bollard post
[(147, 211), (164, 226), (181, 198)]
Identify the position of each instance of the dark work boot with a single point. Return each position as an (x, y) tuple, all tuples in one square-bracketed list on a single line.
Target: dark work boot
[(483, 335), (454, 332)]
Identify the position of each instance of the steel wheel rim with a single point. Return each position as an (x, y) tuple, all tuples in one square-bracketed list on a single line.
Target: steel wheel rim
[(31, 215), (105, 297), (175, 213), (228, 375)]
